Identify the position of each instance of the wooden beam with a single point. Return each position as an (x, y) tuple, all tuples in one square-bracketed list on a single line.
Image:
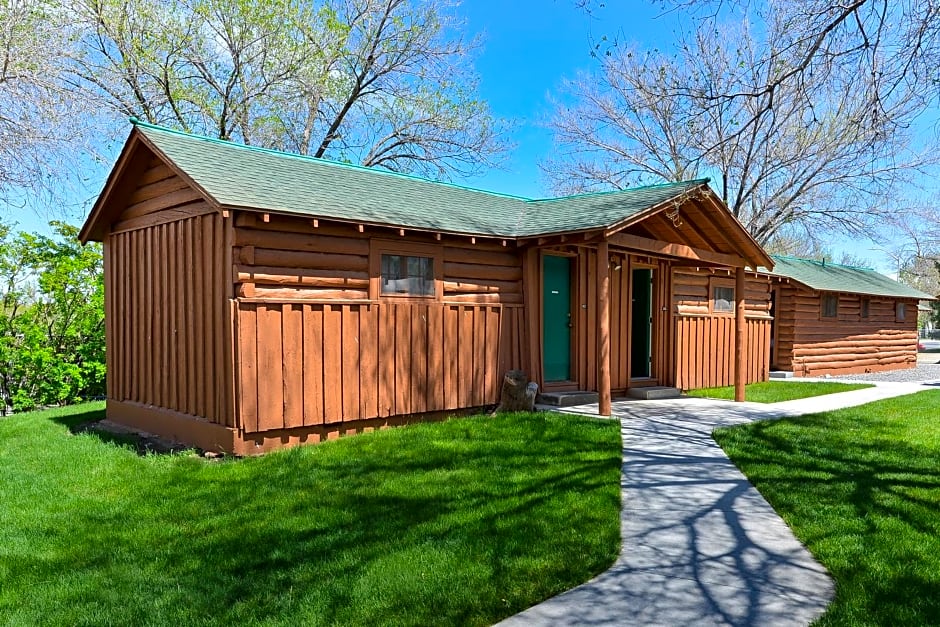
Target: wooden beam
[(532, 285), (729, 224), (603, 328), (680, 251), (740, 350), (693, 213)]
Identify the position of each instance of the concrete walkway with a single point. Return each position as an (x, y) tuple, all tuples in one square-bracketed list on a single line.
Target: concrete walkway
[(700, 545)]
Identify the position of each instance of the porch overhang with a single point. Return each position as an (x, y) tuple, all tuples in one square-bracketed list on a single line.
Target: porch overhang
[(695, 229)]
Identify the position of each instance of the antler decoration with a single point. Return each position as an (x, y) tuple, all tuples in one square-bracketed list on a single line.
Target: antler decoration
[(674, 216)]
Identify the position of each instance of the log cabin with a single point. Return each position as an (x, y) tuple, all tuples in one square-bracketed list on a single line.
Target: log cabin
[(257, 299), (836, 319)]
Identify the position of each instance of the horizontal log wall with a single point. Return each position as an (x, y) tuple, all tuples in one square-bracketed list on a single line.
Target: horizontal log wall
[(691, 295), (487, 273), (307, 364), (165, 312), (705, 351), (289, 258), (160, 197), (811, 345)]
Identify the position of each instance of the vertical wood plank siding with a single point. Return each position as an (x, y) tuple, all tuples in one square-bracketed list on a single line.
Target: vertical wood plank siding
[(316, 347), (705, 356), (704, 341), (663, 366), (369, 360), (165, 307)]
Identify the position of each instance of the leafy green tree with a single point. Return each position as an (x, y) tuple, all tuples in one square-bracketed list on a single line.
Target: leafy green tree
[(384, 83), (52, 348)]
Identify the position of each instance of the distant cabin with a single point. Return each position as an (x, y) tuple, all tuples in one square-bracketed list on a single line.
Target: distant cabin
[(257, 299), (835, 319)]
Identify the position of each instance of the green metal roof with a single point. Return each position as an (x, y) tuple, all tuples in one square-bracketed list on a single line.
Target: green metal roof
[(242, 176), (833, 277)]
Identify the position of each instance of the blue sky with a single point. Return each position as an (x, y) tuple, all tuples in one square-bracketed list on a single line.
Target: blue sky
[(529, 48)]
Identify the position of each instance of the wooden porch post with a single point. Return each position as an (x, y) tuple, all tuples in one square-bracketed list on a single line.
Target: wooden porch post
[(739, 339), (603, 328)]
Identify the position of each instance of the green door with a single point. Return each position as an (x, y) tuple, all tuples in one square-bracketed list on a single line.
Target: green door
[(642, 332), (556, 318)]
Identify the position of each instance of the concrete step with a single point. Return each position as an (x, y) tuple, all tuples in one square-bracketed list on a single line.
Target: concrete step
[(652, 393), (780, 374), (566, 399)]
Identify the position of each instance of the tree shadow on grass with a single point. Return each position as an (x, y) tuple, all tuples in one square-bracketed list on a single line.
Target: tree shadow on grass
[(464, 524), (865, 498), (81, 419)]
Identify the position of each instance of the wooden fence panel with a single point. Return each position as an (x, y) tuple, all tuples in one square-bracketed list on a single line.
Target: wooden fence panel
[(705, 355), (313, 363)]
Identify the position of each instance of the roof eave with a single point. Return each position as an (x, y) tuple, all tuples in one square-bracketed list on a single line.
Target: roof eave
[(209, 198), (367, 223), (92, 230), (131, 158), (760, 256), (881, 294)]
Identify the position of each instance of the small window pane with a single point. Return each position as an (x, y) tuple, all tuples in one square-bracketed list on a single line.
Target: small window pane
[(900, 311), (830, 306), (865, 302), (407, 275), (724, 299)]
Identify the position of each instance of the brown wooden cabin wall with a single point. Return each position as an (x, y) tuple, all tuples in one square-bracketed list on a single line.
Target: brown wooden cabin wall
[(164, 293), (584, 318), (810, 345), (314, 350), (705, 340), (789, 300)]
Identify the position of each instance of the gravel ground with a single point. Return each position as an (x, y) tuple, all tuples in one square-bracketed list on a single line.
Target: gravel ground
[(922, 373)]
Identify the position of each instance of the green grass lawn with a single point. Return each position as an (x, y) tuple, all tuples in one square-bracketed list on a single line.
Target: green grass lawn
[(861, 488), (461, 522), (779, 391)]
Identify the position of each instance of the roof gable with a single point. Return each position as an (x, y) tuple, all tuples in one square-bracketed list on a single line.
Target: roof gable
[(833, 277)]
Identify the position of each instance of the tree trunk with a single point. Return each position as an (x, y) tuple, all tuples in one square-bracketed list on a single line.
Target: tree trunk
[(517, 394)]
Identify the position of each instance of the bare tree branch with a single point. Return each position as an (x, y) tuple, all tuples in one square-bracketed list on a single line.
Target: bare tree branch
[(783, 167)]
